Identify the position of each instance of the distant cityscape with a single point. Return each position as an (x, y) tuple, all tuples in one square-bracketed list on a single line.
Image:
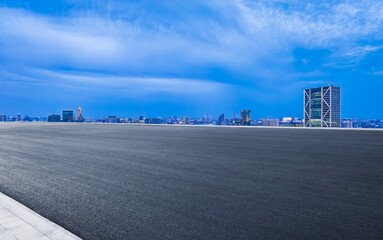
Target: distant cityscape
[(321, 109)]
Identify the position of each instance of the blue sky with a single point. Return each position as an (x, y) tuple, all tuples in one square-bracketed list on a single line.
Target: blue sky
[(165, 58)]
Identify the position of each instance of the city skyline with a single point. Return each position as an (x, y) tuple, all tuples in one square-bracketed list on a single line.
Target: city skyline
[(322, 108), (115, 57), (218, 119)]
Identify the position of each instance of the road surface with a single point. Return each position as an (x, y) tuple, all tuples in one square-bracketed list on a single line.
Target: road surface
[(116, 181)]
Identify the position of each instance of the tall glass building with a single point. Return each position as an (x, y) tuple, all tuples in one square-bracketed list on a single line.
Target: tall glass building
[(322, 106), (245, 117)]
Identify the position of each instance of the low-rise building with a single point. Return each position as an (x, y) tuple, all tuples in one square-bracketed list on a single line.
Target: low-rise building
[(53, 118)]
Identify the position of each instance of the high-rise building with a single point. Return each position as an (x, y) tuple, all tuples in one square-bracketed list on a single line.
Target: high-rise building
[(3, 118), (186, 120), (112, 119), (221, 119), (322, 107), (53, 118), (79, 117), (245, 117), (67, 116)]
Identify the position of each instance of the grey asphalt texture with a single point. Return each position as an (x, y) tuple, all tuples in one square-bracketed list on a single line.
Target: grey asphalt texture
[(115, 181)]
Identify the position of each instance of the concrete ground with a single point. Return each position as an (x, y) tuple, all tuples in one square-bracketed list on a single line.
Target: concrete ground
[(106, 181), (18, 222)]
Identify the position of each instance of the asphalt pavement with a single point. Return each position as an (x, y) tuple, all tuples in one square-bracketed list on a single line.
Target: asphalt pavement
[(118, 181)]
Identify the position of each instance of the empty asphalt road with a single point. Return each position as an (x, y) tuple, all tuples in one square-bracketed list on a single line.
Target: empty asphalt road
[(115, 181)]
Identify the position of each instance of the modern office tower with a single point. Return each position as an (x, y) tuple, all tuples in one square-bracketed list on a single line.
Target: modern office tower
[(53, 118), (245, 117), (19, 117), (3, 118), (79, 117), (322, 107), (112, 119), (221, 119), (270, 122), (186, 120), (67, 116)]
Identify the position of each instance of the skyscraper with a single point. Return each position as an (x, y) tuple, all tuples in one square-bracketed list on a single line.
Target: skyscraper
[(221, 119), (3, 118), (79, 117), (186, 120), (67, 116), (245, 117), (322, 106)]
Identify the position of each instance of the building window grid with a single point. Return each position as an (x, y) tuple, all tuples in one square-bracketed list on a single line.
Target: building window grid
[(322, 107)]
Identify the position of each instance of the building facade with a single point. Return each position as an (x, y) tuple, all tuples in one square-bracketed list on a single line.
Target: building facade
[(112, 119), (270, 122), (245, 118), (53, 118), (67, 116), (157, 120), (221, 119), (322, 107), (79, 117), (3, 118)]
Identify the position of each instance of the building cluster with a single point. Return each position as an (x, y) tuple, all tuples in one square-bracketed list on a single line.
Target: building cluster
[(321, 109), (67, 116), (361, 123), (18, 118), (280, 122)]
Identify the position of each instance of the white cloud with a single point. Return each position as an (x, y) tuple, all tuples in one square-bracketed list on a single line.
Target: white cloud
[(252, 39), (377, 73), (125, 84)]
